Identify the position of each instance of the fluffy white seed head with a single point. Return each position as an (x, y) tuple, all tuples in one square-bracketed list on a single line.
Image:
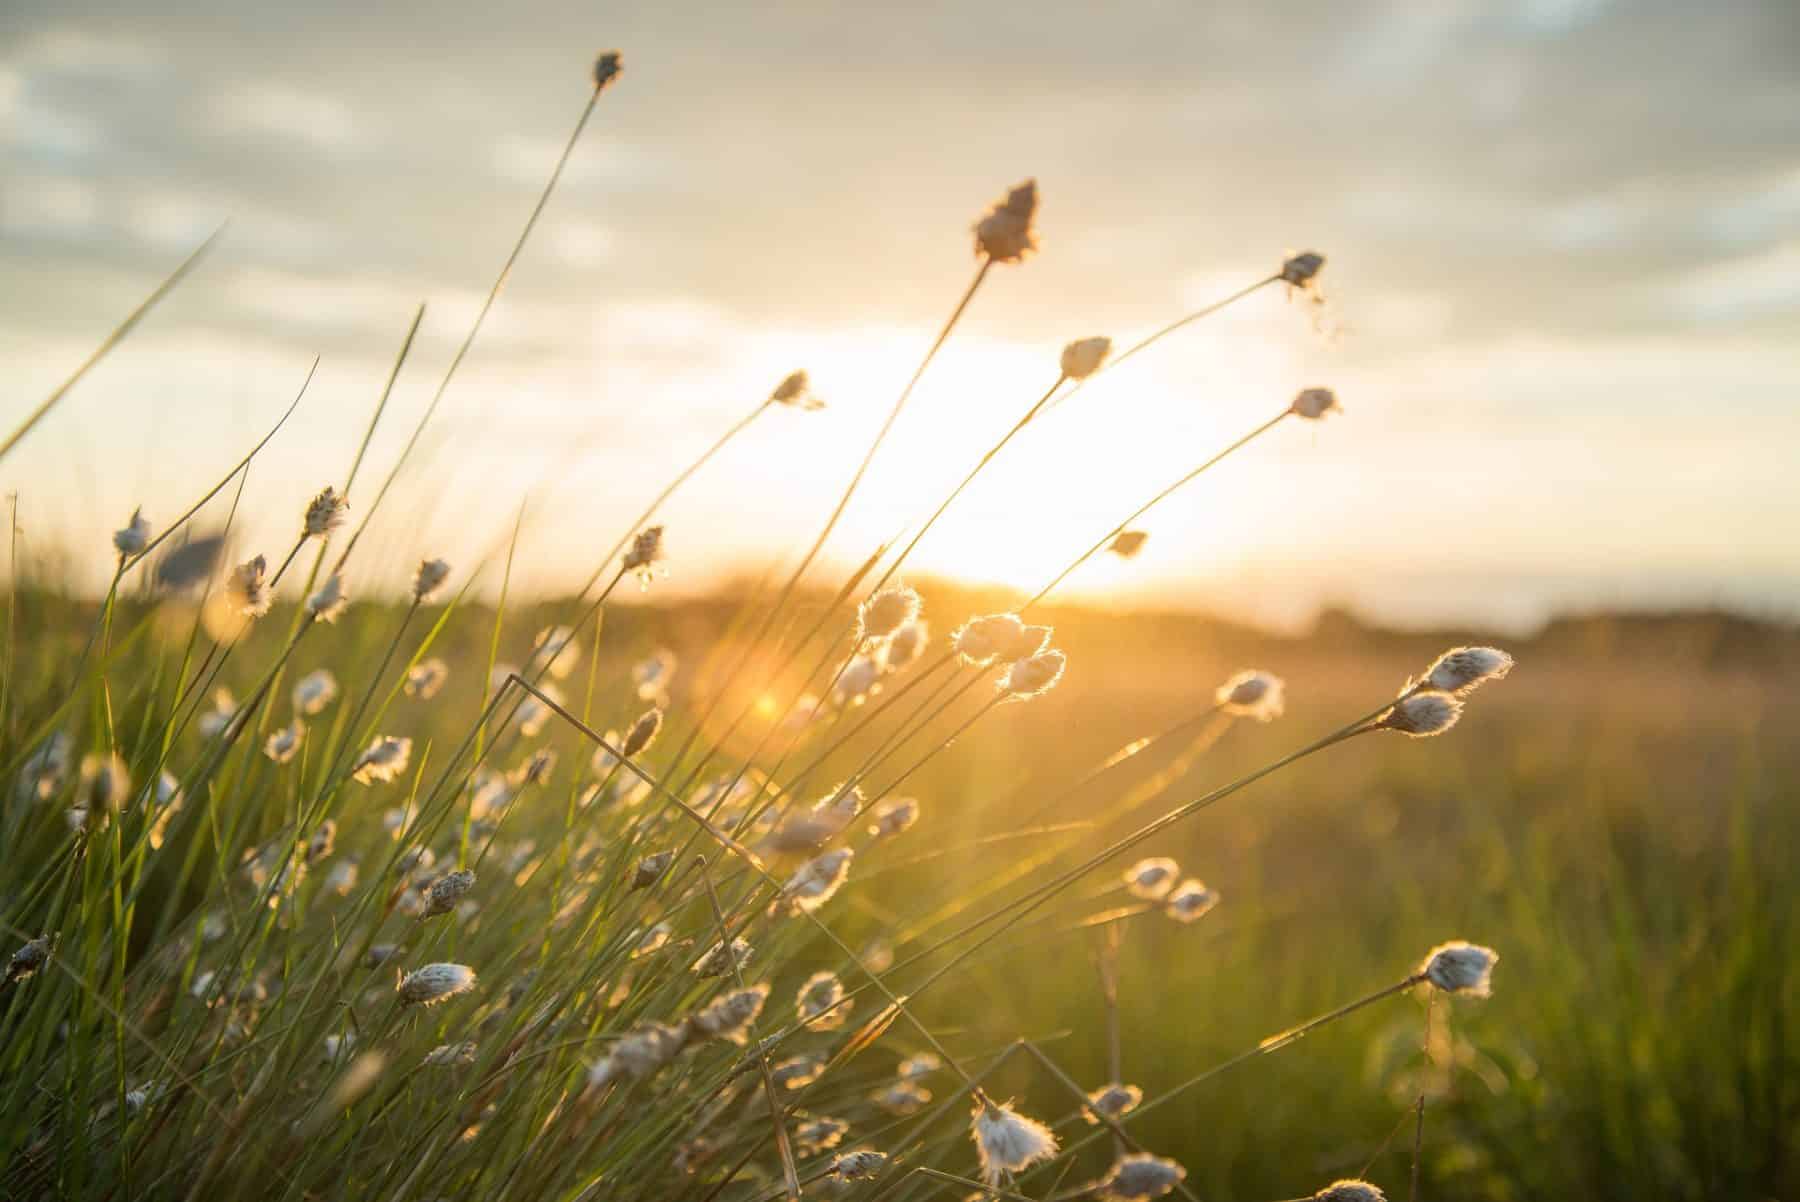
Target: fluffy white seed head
[(214, 721), (907, 644), (1139, 1176), (651, 676), (428, 578), (1007, 1142), (1314, 403), (103, 785), (1006, 234), (1034, 676), (860, 1165), (718, 960), (1001, 638), (247, 591), (814, 883), (383, 760), (1190, 901), (134, 536), (326, 512), (282, 745), (1350, 1191), (886, 611), (450, 1055), (323, 842), (903, 1098), (649, 870), (1112, 1101), (918, 1067), (860, 679), (820, 1132), (443, 894), (730, 1015), (798, 1072), (646, 1049), (425, 678), (1253, 694), (1459, 967), (314, 691), (1464, 669), (434, 983), (330, 600), (1152, 878), (1421, 715), (820, 1004), (894, 816), (1083, 357)]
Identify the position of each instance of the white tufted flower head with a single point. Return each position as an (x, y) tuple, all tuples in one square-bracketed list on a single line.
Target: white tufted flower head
[(1314, 403), (1459, 967), (1252, 694), (1007, 1142), (434, 983), (134, 537), (1421, 715), (1006, 234), (1152, 878), (1464, 669)]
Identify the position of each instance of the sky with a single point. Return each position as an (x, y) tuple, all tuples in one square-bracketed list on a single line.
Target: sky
[(1563, 287)]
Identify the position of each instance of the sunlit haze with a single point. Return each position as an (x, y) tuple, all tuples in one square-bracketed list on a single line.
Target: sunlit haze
[(1561, 315)]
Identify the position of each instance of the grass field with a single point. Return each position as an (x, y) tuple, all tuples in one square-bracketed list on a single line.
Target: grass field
[(1616, 819)]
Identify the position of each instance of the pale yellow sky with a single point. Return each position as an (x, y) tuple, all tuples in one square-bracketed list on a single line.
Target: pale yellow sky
[(1563, 240)]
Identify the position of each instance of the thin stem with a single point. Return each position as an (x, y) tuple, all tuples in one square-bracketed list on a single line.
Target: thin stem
[(1147, 506), (111, 340)]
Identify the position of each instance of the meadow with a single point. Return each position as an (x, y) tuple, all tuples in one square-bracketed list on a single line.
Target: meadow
[(884, 888)]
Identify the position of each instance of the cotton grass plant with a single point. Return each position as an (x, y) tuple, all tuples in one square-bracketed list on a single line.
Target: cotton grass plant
[(317, 932)]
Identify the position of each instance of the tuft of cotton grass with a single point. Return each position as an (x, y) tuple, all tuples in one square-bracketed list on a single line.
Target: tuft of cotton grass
[(323, 842), (894, 816), (1314, 404), (863, 1164), (729, 1017), (649, 870), (32, 955), (428, 578), (42, 774), (1152, 878), (1253, 694), (645, 555), (797, 1072), (884, 612), (920, 1066), (642, 733), (998, 638), (860, 680), (1112, 1101), (282, 745), (247, 591), (1139, 1176), (1190, 901), (450, 1055), (819, 1133), (383, 760), (1299, 270), (817, 880), (329, 601), (1421, 715), (325, 513), (1007, 233), (134, 536), (1083, 357), (1460, 967), (1462, 670), (820, 1004), (444, 893), (795, 391), (1007, 1142), (907, 644), (1349, 1190), (224, 709), (718, 960), (314, 692), (555, 651), (1127, 543), (607, 68), (902, 1098), (640, 1054), (650, 676), (435, 983), (1033, 677), (425, 678)]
